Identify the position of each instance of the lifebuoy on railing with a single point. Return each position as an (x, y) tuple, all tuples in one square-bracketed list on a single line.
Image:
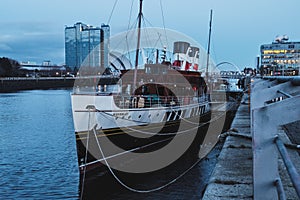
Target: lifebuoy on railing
[(134, 102), (141, 102)]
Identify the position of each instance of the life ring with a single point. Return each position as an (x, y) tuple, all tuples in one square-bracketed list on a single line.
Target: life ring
[(133, 102), (141, 102)]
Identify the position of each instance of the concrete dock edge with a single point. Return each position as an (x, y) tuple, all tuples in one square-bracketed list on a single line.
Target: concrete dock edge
[(232, 177)]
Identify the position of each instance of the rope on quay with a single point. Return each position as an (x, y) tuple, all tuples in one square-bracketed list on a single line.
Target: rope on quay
[(233, 133)]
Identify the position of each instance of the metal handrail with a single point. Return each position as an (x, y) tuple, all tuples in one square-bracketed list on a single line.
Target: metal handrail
[(280, 190), (265, 119), (294, 175), (284, 93), (295, 80)]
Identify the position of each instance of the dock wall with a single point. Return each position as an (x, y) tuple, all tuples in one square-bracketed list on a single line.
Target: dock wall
[(246, 168), (16, 84)]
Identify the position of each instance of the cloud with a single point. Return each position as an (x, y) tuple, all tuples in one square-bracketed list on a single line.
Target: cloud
[(32, 41), (5, 47)]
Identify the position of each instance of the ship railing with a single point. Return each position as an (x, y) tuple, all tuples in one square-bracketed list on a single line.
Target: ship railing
[(274, 102), (147, 101)]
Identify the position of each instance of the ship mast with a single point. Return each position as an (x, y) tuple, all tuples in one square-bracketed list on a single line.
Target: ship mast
[(208, 48), (138, 45)]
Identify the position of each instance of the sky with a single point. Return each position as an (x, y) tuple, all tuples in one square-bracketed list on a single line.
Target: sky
[(33, 30)]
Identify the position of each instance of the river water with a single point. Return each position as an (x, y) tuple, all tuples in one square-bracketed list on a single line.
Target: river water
[(37, 146), (38, 157)]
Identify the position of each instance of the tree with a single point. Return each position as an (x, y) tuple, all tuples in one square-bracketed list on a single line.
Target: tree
[(9, 67)]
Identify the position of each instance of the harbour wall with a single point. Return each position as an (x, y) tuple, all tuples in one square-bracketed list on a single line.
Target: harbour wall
[(17, 84)]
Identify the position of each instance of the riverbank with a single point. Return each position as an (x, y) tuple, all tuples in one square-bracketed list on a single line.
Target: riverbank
[(22, 83)]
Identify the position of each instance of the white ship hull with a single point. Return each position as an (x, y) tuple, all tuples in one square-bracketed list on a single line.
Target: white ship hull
[(101, 110)]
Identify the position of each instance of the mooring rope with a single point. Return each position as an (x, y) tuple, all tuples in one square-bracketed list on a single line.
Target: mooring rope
[(133, 189), (86, 155), (104, 158), (127, 151)]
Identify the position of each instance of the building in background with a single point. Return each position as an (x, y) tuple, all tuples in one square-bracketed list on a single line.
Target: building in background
[(86, 45), (46, 69), (281, 58)]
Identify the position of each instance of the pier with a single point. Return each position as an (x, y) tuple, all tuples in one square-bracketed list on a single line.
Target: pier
[(260, 155)]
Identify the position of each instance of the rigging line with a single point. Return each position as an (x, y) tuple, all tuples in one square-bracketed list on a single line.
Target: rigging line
[(112, 11), (130, 28), (147, 37), (152, 51), (118, 44), (134, 24), (129, 37), (136, 21), (215, 55), (127, 45), (146, 32), (146, 20), (86, 155), (155, 45), (130, 15), (136, 190), (163, 19)]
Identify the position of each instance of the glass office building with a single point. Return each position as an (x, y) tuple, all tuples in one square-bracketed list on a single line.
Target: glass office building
[(86, 45), (281, 58)]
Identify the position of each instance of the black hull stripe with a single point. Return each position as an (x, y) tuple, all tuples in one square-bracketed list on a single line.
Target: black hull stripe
[(119, 131)]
